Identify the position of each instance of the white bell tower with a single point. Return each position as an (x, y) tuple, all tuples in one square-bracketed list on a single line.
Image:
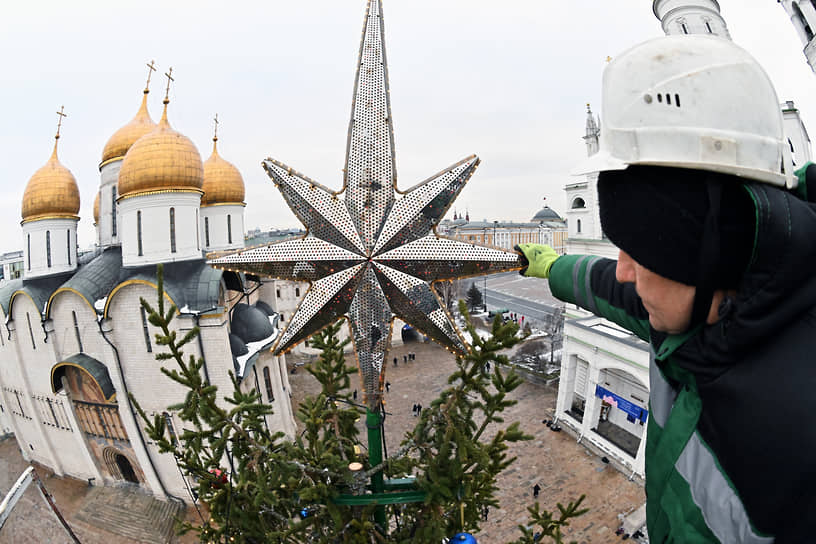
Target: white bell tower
[(691, 17), (803, 16)]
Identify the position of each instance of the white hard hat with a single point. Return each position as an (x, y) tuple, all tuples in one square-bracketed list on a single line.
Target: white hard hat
[(696, 102)]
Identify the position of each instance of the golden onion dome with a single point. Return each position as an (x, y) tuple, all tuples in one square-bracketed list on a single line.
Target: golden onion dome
[(96, 208), (51, 192), (223, 183), (119, 144), (159, 161)]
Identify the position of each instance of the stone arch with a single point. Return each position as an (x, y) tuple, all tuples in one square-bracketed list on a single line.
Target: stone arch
[(120, 466)]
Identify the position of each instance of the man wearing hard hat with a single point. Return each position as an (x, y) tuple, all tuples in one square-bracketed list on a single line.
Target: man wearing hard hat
[(717, 271)]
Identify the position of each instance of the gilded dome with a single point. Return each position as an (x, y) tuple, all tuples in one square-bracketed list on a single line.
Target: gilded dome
[(122, 139), (51, 192), (161, 160), (223, 183), (96, 208)]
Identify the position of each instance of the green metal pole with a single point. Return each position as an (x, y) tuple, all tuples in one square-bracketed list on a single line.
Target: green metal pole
[(375, 457)]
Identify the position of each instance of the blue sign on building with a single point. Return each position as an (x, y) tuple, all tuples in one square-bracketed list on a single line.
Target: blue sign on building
[(633, 411)]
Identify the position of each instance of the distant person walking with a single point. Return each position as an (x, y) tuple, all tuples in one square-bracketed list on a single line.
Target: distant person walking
[(536, 491), (387, 387)]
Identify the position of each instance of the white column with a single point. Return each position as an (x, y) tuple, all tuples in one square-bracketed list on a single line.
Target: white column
[(592, 409)]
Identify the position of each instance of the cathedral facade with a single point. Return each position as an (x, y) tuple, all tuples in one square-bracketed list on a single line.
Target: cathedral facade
[(76, 343)]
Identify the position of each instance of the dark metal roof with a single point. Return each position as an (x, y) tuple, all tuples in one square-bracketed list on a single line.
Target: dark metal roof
[(546, 214), (97, 371), (191, 284), (96, 279), (38, 289), (6, 291), (250, 323)]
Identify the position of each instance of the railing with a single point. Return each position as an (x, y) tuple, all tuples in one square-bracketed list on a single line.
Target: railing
[(100, 420)]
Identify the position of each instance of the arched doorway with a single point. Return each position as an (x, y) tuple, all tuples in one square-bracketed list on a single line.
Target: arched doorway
[(409, 334), (125, 468)]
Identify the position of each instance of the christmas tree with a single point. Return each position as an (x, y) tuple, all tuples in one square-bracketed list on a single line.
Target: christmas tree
[(257, 486)]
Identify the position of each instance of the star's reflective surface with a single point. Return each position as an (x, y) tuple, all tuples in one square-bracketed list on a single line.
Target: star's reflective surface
[(371, 254)]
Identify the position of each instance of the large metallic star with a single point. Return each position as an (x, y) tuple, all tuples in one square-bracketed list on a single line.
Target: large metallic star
[(371, 256)]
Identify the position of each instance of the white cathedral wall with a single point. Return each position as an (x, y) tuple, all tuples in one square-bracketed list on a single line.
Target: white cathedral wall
[(35, 359), (63, 247), (152, 389), (108, 222), (219, 233), (154, 210)]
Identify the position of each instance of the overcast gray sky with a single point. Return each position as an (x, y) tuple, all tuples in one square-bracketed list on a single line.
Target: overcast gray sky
[(505, 80)]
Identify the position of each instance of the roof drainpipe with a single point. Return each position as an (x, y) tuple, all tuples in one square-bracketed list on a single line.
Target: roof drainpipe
[(135, 415), (197, 320)]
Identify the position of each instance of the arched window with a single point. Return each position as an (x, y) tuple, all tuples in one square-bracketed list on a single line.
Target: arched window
[(48, 247), (29, 251), (229, 229), (139, 232), (578, 225), (207, 231), (171, 429), (76, 330), (684, 28), (578, 203), (31, 331), (172, 230), (270, 395), (68, 240), (145, 330), (113, 211)]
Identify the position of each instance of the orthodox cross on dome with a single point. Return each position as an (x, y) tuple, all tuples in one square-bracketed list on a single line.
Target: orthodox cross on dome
[(215, 130), (370, 254), (167, 90), (151, 69), (62, 115)]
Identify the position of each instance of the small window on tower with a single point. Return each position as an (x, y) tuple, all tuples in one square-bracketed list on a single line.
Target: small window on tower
[(29, 251), (684, 28), (578, 225), (270, 395), (708, 27), (207, 231), (68, 239), (139, 232), (229, 229), (48, 247), (172, 230), (113, 212), (297, 291)]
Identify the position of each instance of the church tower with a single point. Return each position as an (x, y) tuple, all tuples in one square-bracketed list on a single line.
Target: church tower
[(691, 17), (583, 218), (593, 133), (703, 17), (222, 206), (803, 16), (108, 222), (159, 196), (50, 214)]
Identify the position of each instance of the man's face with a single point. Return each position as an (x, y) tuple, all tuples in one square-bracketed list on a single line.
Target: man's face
[(668, 302)]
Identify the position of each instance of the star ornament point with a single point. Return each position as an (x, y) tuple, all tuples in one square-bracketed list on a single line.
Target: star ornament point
[(371, 252)]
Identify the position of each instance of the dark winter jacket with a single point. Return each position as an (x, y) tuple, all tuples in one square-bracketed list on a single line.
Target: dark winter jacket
[(731, 442)]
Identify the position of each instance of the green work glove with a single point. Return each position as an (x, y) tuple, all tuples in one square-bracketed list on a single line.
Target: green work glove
[(537, 258)]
